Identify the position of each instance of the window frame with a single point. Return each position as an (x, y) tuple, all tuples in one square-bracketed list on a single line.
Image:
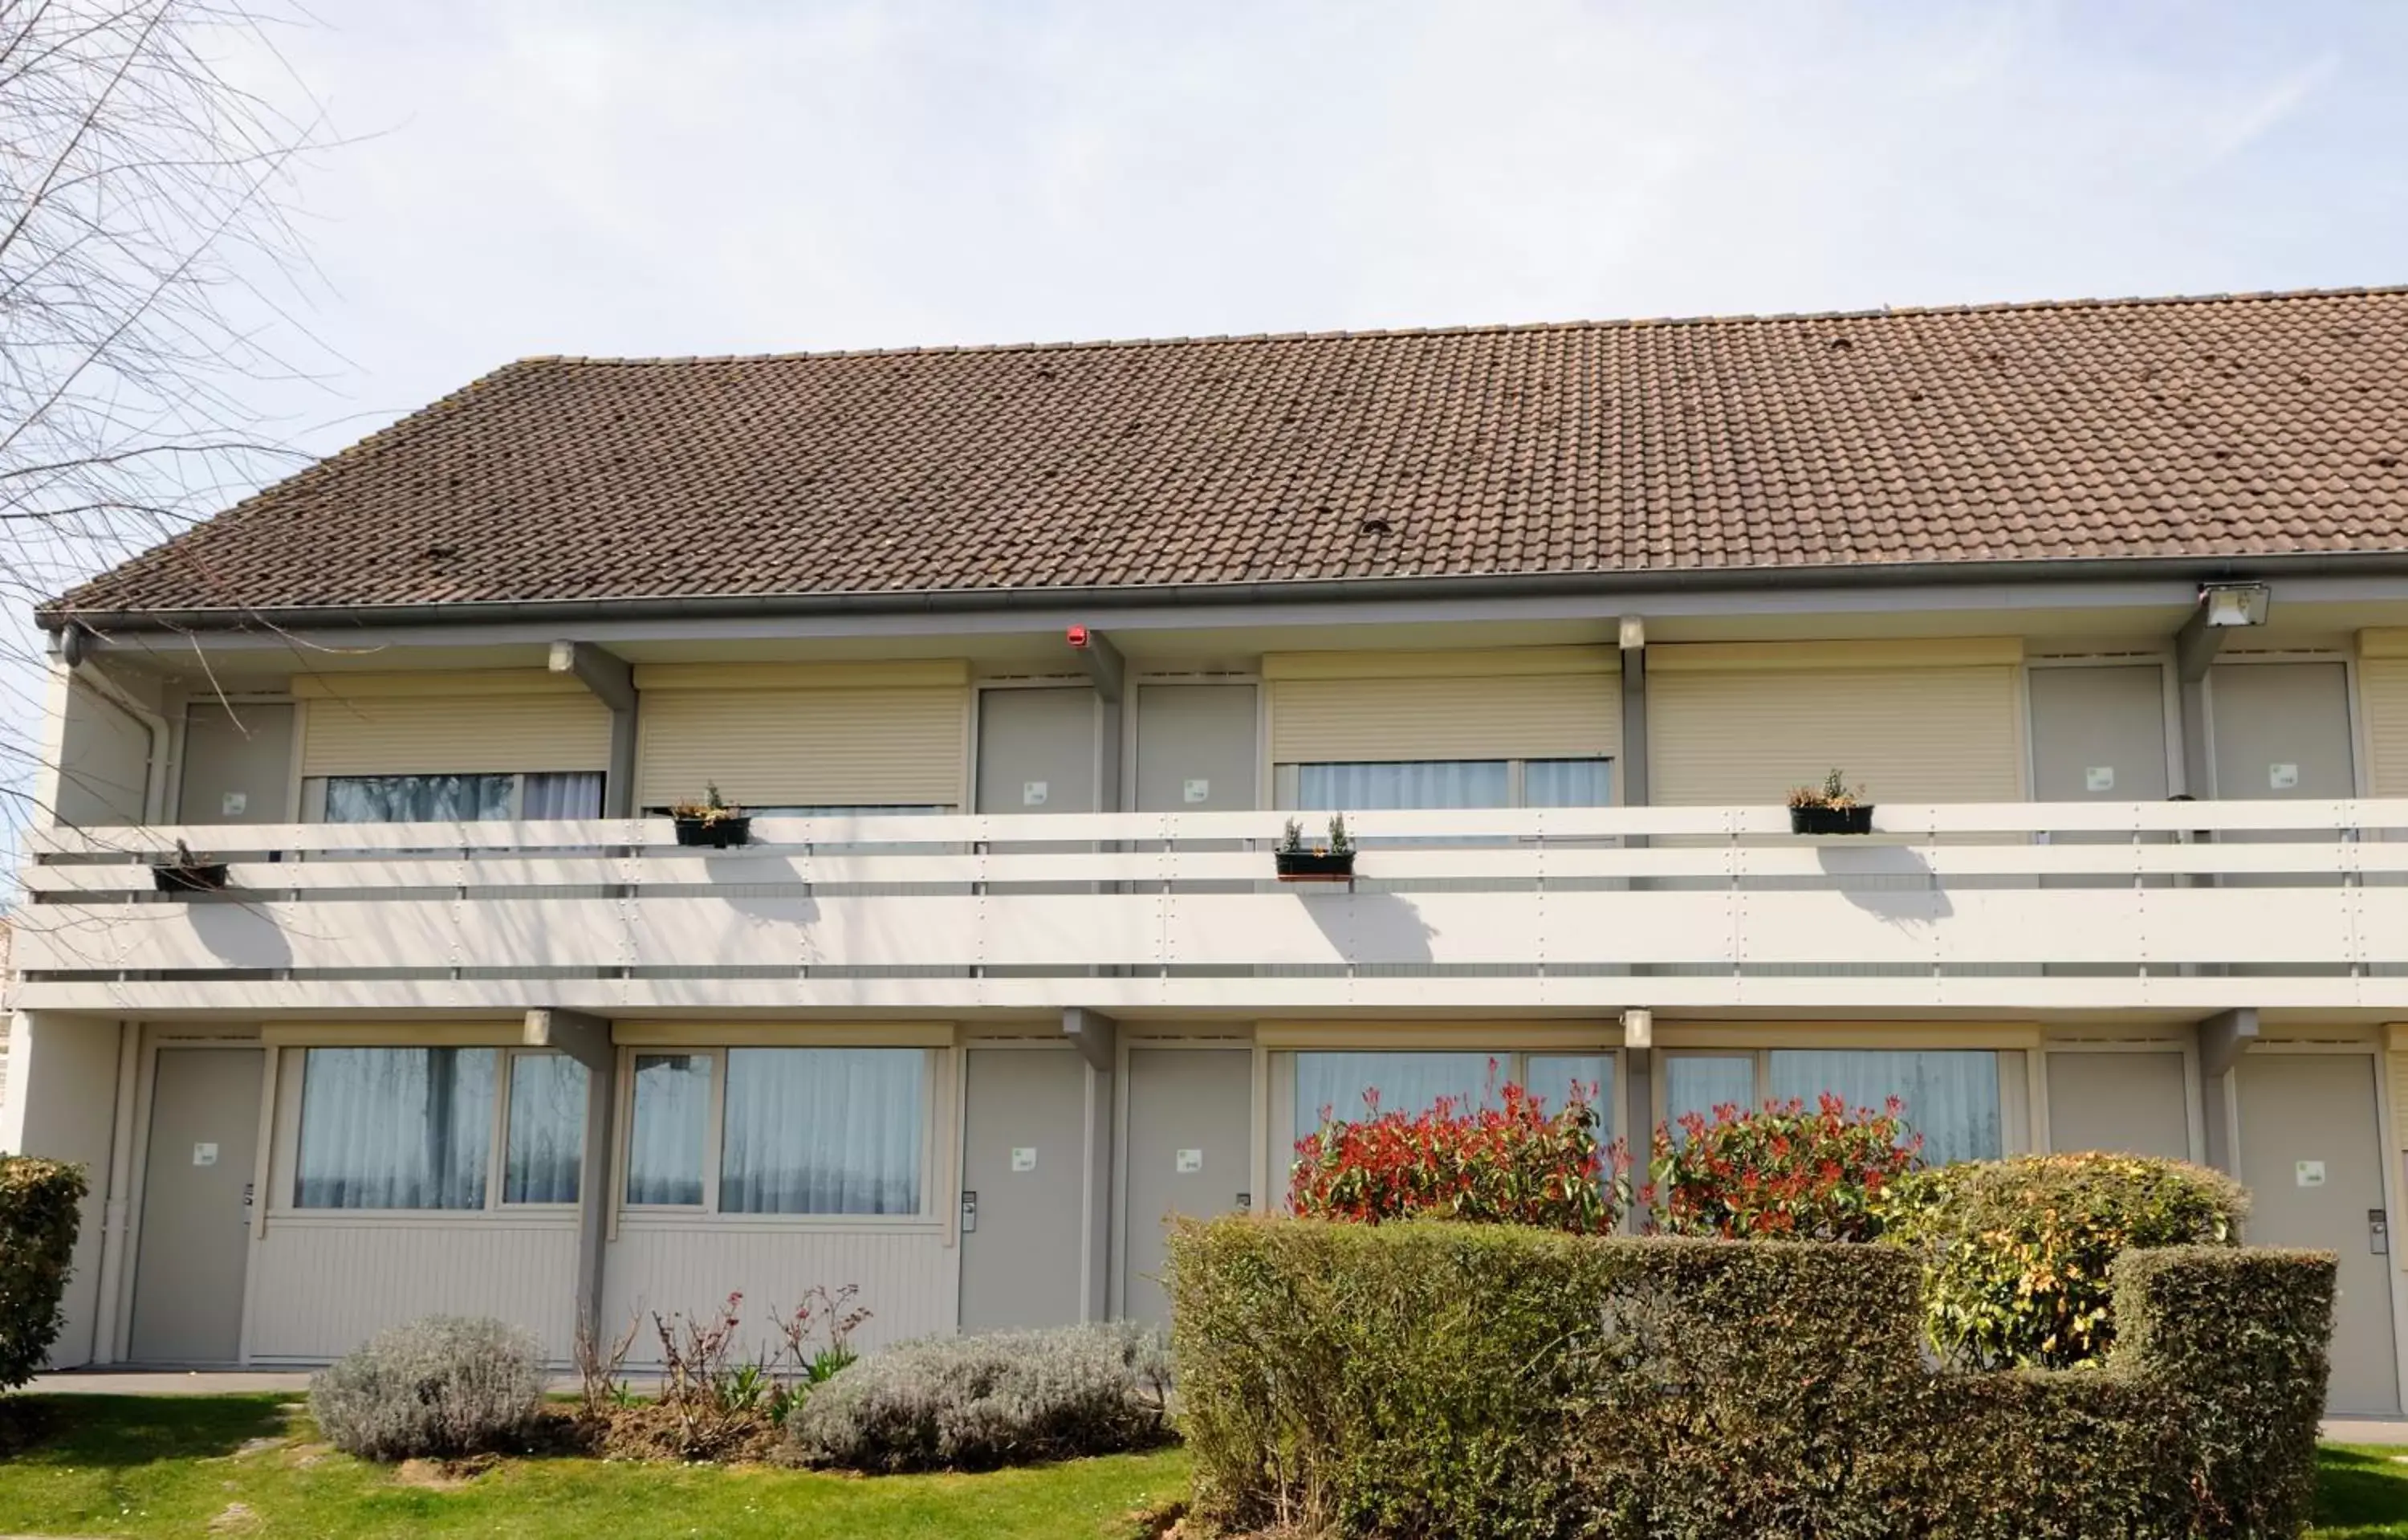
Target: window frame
[(313, 788), (2013, 1072), (1512, 1064), (293, 1087), (930, 1211), (1286, 780)]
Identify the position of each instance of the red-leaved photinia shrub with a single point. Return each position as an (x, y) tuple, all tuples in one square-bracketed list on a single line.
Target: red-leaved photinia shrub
[(1513, 1163), (1783, 1172)]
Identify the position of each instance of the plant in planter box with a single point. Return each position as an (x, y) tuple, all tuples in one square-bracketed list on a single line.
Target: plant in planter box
[(188, 872), (1331, 860), (711, 822), (1830, 808)]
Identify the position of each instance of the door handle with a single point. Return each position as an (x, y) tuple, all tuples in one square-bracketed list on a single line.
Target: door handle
[(970, 1210)]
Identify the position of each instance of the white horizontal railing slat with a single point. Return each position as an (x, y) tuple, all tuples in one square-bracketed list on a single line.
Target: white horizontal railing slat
[(1958, 905)]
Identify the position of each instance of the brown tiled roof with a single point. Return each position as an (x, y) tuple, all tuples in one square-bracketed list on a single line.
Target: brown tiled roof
[(2228, 426)]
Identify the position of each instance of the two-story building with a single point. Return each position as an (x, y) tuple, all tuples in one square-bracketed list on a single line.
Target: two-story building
[(1021, 658)]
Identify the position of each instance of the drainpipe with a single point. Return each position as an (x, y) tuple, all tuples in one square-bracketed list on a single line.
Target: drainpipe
[(115, 1205), (75, 647)]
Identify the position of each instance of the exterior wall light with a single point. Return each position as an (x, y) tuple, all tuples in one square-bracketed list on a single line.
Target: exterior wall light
[(2231, 604), (1638, 1028)]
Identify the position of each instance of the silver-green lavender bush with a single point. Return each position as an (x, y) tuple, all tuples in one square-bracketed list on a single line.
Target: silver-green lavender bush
[(438, 1387), (1005, 1397)]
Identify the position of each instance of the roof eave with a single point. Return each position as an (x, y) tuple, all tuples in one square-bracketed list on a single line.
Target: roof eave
[(1601, 585)]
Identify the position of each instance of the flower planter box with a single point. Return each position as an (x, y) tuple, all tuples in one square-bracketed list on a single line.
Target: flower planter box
[(715, 833), (1305, 866), (1855, 820), (171, 878)]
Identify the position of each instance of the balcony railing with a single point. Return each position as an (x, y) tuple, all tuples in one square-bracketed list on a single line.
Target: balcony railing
[(2183, 905)]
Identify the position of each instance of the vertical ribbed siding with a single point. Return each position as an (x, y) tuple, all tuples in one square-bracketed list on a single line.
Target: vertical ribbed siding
[(1526, 716), (1907, 735), (455, 735), (805, 747), (910, 1278), (320, 1288)]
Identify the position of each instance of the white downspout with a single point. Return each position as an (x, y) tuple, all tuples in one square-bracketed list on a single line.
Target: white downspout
[(116, 1206), (76, 650)]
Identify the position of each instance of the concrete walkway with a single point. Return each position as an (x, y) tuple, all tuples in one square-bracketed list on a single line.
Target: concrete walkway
[(166, 1382), (2367, 1430)]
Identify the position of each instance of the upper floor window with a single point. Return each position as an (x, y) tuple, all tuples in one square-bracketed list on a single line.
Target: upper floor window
[(1403, 783), (452, 798)]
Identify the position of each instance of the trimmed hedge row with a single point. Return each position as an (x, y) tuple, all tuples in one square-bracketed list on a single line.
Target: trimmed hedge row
[(39, 1215), (1427, 1379)]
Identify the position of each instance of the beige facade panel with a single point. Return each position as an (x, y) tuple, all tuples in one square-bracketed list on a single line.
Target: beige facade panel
[(321, 1286), (1506, 717), (1744, 735), (487, 733), (786, 747)]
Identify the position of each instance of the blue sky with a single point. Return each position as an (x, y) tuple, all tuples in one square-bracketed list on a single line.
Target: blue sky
[(534, 177), (595, 176)]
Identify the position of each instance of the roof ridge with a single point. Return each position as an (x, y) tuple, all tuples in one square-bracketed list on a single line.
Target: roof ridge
[(1887, 312)]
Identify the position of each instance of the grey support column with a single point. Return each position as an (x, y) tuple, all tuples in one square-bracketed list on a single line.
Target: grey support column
[(2195, 647), (2222, 1040), (1636, 1116), (1633, 768), (587, 1040), (613, 684), (1109, 674), (1098, 1037)]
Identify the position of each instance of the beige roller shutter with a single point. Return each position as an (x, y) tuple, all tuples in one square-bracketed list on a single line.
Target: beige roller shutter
[(875, 737), (1520, 703), (2382, 697), (1925, 723), (450, 724)]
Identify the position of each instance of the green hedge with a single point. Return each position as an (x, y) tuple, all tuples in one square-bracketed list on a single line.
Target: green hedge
[(39, 1214), (2017, 1253), (1430, 1379)]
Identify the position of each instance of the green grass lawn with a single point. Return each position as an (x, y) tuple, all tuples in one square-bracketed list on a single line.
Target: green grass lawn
[(172, 1465), (176, 1465)]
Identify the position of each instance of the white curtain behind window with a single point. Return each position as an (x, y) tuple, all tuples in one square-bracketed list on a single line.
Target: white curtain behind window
[(417, 798), (1695, 1083), (395, 1128), (546, 1142), (1951, 1096), (1567, 784), (1553, 1078), (1416, 783), (1408, 1083), (822, 1131), (665, 1146), (563, 794)]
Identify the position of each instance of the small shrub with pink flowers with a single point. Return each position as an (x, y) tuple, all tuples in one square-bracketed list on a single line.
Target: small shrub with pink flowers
[(1515, 1162), (1785, 1171)]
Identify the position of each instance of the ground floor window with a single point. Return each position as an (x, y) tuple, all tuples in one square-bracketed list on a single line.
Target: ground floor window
[(1413, 1082), (1951, 1097), (797, 1131), (416, 1128)]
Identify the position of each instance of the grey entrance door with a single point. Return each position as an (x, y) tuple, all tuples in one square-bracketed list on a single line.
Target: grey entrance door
[(1189, 1122), (2282, 730), (196, 1228), (1023, 1139), (1037, 751), (2313, 1159), (2098, 734), (238, 762), (1194, 748)]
